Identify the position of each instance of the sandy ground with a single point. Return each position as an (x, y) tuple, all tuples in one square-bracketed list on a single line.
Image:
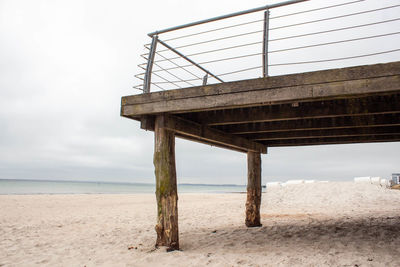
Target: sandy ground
[(332, 224)]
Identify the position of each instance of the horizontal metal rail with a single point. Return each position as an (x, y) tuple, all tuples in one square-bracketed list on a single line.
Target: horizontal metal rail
[(248, 11), (261, 20)]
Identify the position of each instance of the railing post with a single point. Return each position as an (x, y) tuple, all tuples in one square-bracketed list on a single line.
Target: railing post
[(150, 60), (265, 43), (205, 78)]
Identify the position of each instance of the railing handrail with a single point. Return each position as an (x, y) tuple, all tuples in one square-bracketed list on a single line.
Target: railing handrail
[(169, 62), (248, 11)]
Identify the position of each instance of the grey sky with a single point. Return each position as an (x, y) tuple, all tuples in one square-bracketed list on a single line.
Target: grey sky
[(64, 66)]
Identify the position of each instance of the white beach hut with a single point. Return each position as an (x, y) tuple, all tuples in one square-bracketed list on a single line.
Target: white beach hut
[(366, 179), (293, 182), (376, 180), (274, 185), (385, 183)]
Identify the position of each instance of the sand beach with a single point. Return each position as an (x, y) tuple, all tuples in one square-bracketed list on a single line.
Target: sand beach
[(319, 224)]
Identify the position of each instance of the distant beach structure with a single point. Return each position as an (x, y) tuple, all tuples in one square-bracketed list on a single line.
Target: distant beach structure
[(383, 182), (292, 182), (375, 180), (366, 179), (309, 181), (396, 178), (274, 185)]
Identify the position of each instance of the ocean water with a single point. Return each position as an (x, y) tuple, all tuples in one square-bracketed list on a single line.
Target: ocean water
[(25, 187)]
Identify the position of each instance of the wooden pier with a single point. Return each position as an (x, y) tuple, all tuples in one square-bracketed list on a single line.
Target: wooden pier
[(339, 106)]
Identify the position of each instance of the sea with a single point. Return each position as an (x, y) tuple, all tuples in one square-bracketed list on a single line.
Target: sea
[(29, 187)]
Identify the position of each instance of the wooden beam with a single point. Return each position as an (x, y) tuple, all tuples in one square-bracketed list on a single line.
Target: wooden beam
[(166, 188), (308, 134), (206, 134), (333, 140), (147, 122), (322, 91), (273, 82), (209, 142), (253, 201), (382, 104), (313, 124)]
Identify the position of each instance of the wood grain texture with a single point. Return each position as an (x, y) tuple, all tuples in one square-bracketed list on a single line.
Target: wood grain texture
[(333, 140), (309, 134), (313, 124), (377, 104), (191, 129), (166, 188), (300, 87), (253, 201), (273, 82)]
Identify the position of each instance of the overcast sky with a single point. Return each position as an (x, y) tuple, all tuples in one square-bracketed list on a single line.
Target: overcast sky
[(64, 66)]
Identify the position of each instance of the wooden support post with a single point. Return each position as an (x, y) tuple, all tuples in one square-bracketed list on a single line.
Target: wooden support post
[(166, 189), (253, 202)]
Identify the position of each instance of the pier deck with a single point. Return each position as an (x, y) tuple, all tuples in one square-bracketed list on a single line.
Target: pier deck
[(350, 105)]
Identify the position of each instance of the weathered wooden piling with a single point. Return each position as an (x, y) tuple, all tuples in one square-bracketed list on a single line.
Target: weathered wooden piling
[(253, 202), (166, 188)]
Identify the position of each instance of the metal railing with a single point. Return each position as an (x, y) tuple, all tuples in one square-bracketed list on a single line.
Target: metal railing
[(202, 57)]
